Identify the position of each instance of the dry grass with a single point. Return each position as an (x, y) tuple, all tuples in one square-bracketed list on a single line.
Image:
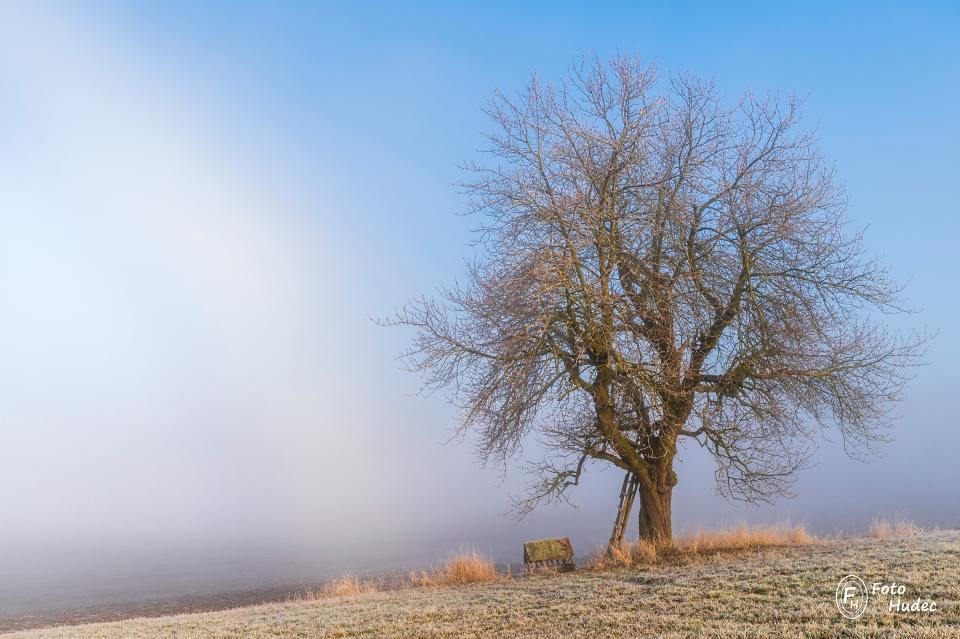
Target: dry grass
[(469, 568), (348, 586), (781, 593), (899, 527), (462, 568), (636, 553), (743, 537), (345, 586)]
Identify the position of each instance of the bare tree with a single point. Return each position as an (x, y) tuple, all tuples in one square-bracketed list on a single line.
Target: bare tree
[(656, 266)]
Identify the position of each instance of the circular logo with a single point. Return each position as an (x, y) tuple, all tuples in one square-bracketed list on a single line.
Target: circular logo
[(852, 597)]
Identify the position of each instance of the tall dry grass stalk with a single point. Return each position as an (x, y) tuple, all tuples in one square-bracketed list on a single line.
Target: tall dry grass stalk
[(345, 586), (743, 537), (348, 586), (462, 568), (637, 553), (899, 527)]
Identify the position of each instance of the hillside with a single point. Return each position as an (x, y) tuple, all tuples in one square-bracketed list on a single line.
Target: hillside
[(784, 592)]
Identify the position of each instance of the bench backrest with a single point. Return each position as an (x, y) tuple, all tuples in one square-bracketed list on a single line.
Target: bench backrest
[(547, 550)]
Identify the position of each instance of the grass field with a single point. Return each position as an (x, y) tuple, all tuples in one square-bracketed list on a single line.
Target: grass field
[(773, 592)]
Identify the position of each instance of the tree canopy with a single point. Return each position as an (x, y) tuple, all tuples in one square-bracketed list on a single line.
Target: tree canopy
[(656, 266)]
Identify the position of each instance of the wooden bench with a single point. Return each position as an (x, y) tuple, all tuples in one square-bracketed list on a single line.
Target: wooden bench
[(556, 554)]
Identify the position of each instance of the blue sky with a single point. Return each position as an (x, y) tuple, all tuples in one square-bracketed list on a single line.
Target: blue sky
[(204, 203), (375, 106)]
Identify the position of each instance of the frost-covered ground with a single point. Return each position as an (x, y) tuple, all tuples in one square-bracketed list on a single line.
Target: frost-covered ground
[(785, 592)]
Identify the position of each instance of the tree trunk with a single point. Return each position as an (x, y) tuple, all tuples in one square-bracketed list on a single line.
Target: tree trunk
[(656, 523), (628, 493)]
